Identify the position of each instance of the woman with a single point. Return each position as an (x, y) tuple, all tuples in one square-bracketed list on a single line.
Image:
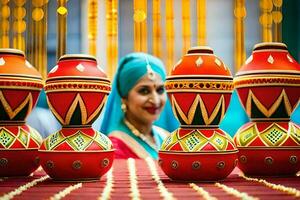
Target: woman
[(137, 99)]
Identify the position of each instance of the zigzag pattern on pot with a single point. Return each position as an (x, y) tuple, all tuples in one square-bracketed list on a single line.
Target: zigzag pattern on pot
[(268, 112), (13, 112), (85, 119), (219, 107)]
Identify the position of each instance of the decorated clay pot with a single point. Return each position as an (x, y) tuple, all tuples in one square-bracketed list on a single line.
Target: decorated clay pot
[(76, 89), (200, 87), (20, 85), (268, 86)]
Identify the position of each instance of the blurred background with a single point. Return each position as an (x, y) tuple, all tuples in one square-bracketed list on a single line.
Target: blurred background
[(109, 29)]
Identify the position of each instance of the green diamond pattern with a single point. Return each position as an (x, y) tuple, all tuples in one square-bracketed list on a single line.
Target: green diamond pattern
[(54, 140), (6, 139), (170, 141), (273, 136), (296, 134), (103, 141), (192, 141), (36, 136), (79, 141), (218, 141), (247, 135), (23, 137)]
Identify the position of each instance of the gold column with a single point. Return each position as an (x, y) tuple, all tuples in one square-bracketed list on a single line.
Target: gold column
[(186, 29), (92, 26), (169, 34), (19, 25), (4, 22), (38, 52), (277, 18), (239, 33), (61, 27), (140, 25), (201, 17), (112, 36), (156, 32), (265, 19)]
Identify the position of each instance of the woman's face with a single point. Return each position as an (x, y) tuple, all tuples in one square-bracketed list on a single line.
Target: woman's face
[(146, 100)]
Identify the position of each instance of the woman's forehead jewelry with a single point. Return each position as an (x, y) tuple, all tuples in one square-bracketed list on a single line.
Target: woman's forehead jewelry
[(150, 71)]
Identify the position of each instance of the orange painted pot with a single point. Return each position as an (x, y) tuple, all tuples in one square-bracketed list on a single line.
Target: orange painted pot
[(20, 85), (76, 90), (199, 89), (268, 86)]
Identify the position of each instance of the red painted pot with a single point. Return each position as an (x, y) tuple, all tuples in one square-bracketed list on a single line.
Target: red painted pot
[(73, 154), (76, 90), (20, 85), (199, 88), (268, 87)]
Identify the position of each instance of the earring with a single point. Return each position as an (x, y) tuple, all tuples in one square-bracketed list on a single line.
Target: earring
[(123, 107)]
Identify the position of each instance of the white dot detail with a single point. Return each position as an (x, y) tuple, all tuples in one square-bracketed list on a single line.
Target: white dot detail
[(249, 60), (54, 69), (2, 61), (80, 67), (199, 61), (270, 59), (289, 58), (218, 62), (27, 64)]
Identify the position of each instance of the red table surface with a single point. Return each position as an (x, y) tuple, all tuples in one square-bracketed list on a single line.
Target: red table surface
[(146, 186)]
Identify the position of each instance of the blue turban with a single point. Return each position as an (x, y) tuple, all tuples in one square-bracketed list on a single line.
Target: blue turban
[(130, 70)]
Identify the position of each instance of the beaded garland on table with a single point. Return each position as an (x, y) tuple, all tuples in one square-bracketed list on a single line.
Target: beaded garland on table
[(234, 192), (164, 193), (278, 187), (202, 192), (140, 135), (66, 191), (106, 193), (23, 188), (134, 190)]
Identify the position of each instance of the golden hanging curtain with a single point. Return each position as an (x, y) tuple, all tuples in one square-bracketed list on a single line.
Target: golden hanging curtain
[(169, 34), (19, 25), (239, 33), (61, 27), (140, 25), (186, 28), (92, 26), (201, 17), (4, 22), (156, 32), (277, 18), (38, 37), (265, 19), (112, 36)]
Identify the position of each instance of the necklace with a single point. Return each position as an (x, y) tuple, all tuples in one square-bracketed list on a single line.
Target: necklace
[(138, 134)]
